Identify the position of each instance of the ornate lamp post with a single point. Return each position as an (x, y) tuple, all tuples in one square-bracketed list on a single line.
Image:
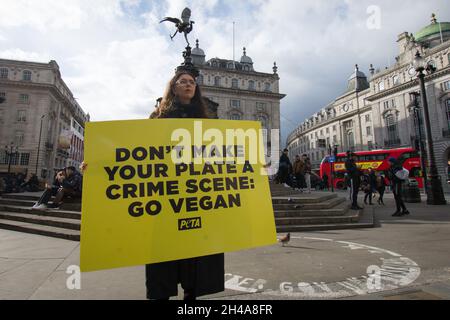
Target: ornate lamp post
[(435, 194), (414, 108), (9, 154)]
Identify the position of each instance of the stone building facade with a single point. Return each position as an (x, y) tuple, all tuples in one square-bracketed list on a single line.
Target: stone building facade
[(238, 92), (377, 113), (38, 107)]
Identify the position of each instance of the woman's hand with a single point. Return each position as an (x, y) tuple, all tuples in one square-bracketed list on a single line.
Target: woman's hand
[(83, 166)]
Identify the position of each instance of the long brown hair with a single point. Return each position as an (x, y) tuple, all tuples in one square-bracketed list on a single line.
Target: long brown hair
[(169, 98)]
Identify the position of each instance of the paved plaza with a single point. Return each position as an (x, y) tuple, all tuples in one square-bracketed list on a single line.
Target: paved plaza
[(402, 258)]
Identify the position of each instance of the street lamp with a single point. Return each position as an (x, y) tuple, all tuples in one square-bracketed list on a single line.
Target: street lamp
[(435, 194), (414, 108), (39, 145), (9, 154)]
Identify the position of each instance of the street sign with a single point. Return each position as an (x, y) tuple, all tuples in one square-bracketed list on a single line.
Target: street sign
[(332, 159)]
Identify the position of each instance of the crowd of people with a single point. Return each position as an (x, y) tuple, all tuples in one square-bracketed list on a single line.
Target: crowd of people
[(17, 182), (67, 183), (299, 176)]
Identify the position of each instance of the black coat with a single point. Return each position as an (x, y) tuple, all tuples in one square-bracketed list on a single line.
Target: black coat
[(200, 275)]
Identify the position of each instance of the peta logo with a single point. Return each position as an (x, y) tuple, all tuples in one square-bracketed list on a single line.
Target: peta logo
[(190, 223)]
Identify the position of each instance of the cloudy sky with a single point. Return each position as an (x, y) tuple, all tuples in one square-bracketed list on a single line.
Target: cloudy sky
[(116, 58)]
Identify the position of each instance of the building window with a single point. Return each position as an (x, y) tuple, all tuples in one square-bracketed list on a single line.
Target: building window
[(334, 139), (4, 73), (234, 83), (200, 80), (26, 75), (446, 86), (368, 131), (350, 139), (370, 144), (246, 68), (21, 116), (393, 104), (327, 130), (217, 81), (260, 107), (334, 128), (251, 85), (267, 87), (386, 105), (392, 128), (381, 86), (235, 104), (3, 95), (235, 116), (24, 98), (264, 121), (367, 117), (395, 80), (24, 159), (19, 138)]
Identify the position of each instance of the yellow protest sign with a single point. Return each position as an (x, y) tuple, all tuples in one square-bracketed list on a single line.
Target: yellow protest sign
[(166, 189)]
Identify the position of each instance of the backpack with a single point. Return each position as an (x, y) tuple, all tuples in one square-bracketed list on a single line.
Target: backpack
[(402, 174)]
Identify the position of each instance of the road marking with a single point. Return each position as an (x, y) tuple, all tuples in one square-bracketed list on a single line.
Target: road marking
[(393, 272)]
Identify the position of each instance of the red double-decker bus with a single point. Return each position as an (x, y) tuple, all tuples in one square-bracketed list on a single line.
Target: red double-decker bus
[(377, 160)]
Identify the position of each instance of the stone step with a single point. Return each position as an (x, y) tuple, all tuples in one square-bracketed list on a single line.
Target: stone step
[(69, 206), (17, 202), (311, 213), (366, 220), (32, 228), (304, 198), (347, 218), (18, 196), (327, 204), (63, 223), (49, 212)]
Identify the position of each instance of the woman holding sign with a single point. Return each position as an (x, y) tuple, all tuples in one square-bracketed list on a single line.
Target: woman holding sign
[(200, 275)]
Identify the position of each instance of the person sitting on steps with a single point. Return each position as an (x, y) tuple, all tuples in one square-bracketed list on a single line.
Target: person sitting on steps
[(67, 183)]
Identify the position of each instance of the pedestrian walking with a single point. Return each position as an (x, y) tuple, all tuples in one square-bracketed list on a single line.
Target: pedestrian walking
[(371, 186), (285, 169), (325, 181), (381, 187), (397, 175), (355, 178), (299, 173), (307, 170)]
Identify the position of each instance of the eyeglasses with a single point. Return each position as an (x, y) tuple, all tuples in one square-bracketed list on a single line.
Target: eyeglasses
[(185, 82)]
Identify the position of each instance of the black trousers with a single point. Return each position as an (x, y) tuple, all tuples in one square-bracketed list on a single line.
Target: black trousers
[(381, 193), (47, 195), (354, 183), (397, 190)]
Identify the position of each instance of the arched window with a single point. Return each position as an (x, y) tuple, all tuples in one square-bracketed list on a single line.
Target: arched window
[(391, 121), (200, 80), (26, 76), (264, 121), (251, 85), (217, 81), (350, 139), (4, 73), (234, 83)]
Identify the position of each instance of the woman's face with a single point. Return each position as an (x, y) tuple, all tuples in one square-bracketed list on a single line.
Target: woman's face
[(184, 88)]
